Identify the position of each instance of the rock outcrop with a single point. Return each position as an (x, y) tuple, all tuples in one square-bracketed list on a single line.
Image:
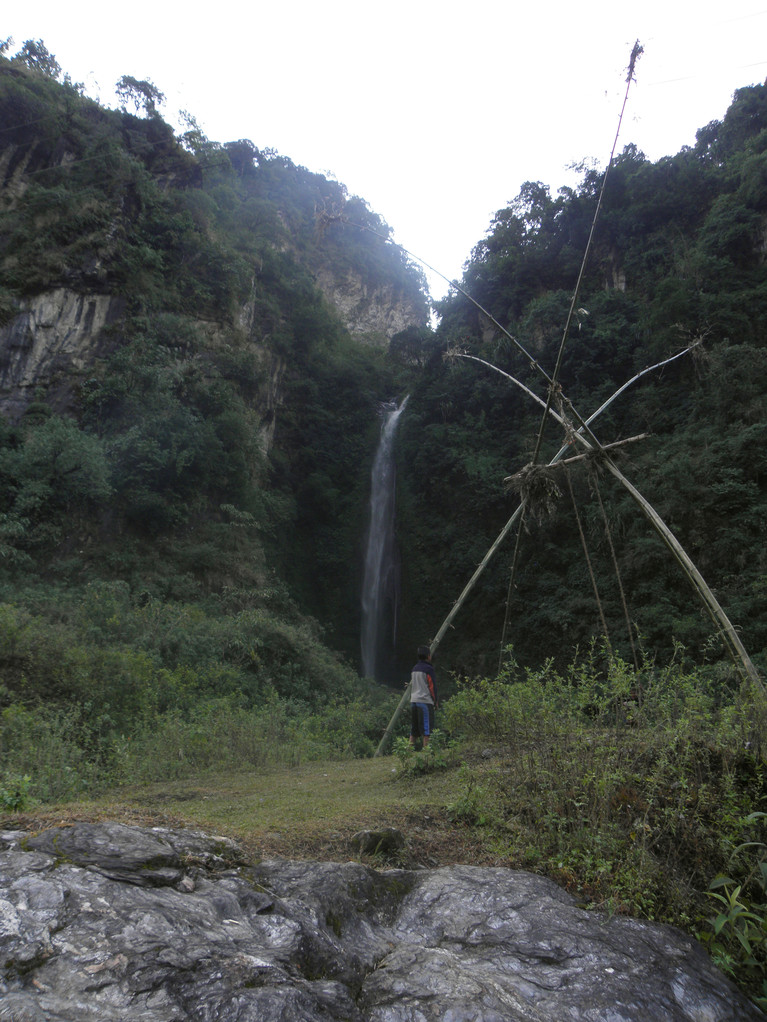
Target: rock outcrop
[(371, 314), (54, 339), (102, 922)]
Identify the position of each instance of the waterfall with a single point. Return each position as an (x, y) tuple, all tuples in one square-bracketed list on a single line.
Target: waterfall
[(380, 582)]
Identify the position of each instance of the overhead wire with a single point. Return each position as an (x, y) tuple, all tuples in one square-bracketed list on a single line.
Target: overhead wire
[(636, 52), (553, 386)]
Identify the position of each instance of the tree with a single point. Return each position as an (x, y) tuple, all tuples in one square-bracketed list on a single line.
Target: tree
[(143, 93), (36, 56), (243, 156), (194, 139)]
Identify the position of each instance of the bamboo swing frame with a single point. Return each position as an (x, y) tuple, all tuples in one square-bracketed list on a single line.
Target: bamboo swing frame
[(723, 624), (581, 434)]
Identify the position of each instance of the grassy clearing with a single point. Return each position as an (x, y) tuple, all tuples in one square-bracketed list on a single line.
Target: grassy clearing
[(310, 810)]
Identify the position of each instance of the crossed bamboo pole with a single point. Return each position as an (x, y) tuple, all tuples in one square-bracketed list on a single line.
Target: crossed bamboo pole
[(586, 438)]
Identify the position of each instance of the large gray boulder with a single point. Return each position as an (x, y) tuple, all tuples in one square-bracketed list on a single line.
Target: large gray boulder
[(102, 922)]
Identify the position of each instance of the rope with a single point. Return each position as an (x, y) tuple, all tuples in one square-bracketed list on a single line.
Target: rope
[(588, 561), (554, 384), (595, 486), (512, 576)]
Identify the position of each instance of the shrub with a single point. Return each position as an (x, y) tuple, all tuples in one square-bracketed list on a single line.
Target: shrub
[(439, 754), (627, 786), (55, 751), (14, 792), (737, 937)]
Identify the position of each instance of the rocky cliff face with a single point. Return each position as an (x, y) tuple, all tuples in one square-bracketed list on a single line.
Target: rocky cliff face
[(51, 346), (102, 921), (51, 342), (371, 314)]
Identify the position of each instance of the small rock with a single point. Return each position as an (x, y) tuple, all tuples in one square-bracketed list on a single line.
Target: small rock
[(378, 842)]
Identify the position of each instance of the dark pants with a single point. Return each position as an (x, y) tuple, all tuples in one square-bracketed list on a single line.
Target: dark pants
[(416, 731)]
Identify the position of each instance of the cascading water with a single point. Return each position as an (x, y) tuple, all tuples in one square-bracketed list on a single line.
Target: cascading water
[(380, 583)]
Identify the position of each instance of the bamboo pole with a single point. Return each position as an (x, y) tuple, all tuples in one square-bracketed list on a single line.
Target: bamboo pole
[(655, 520), (580, 457), (720, 618), (557, 457), (393, 722)]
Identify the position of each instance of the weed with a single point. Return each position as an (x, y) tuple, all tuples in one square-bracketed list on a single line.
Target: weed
[(628, 787), (737, 939), (439, 754), (14, 793), (107, 690)]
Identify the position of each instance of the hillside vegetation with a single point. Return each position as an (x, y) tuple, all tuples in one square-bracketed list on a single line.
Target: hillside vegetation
[(178, 514), (677, 265), (204, 468)]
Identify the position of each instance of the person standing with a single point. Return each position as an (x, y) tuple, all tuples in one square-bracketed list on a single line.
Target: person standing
[(423, 697)]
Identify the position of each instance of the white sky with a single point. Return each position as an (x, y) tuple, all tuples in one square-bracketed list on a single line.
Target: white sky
[(434, 112)]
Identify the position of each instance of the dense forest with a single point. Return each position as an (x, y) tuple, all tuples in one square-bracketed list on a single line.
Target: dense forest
[(678, 265), (210, 450), (215, 447)]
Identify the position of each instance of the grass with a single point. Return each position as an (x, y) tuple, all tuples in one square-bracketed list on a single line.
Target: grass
[(307, 811)]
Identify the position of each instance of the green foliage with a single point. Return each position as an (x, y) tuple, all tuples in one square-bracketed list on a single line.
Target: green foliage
[(54, 476), (143, 94), (214, 735), (99, 688), (35, 55), (60, 751), (738, 935), (350, 727), (222, 347), (68, 754), (677, 260), (629, 787), (14, 793), (157, 567), (133, 659), (439, 754)]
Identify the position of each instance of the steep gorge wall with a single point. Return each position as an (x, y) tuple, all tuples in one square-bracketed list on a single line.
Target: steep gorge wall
[(57, 337), (160, 228), (52, 342), (371, 314)]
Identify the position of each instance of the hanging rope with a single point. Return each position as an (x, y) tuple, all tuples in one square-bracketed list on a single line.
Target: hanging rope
[(512, 578), (594, 482), (582, 534)]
